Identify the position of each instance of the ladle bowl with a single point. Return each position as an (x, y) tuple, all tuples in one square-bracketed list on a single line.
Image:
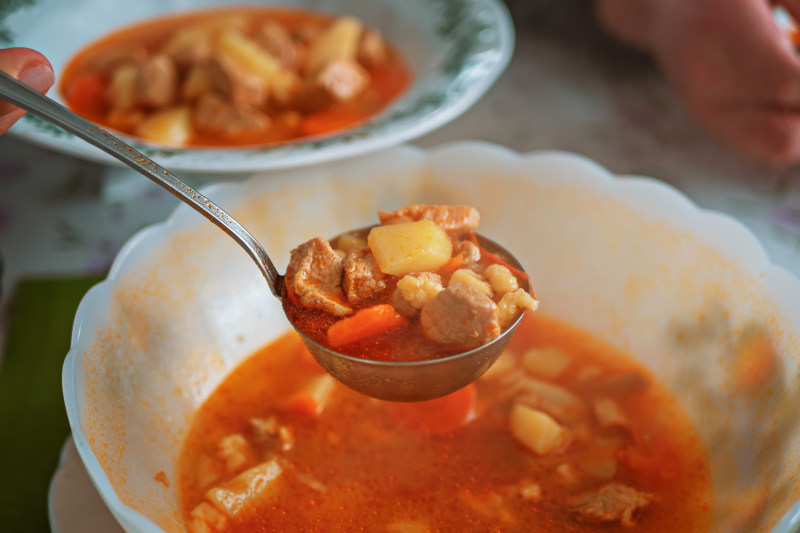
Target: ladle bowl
[(396, 381)]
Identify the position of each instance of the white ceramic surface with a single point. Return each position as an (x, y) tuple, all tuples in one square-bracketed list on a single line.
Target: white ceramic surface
[(630, 260), (456, 49)]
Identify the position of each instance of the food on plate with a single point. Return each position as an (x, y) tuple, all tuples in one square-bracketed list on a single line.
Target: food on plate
[(236, 76), (417, 286), (588, 443)]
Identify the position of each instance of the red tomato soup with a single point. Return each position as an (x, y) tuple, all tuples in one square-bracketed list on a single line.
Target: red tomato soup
[(235, 77), (563, 433)]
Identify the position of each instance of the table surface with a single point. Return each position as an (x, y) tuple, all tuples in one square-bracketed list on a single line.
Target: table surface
[(566, 88)]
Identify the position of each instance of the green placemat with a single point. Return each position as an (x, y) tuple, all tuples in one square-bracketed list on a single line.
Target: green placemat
[(33, 421)]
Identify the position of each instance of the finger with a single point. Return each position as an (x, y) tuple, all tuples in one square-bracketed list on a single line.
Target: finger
[(29, 67), (763, 132)]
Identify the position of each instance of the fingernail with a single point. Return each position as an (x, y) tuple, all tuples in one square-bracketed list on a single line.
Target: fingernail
[(37, 77)]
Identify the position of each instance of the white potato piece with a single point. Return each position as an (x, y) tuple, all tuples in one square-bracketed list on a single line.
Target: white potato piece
[(171, 126), (471, 278), (246, 489), (252, 58), (409, 247), (337, 41), (122, 87), (537, 430), (547, 362)]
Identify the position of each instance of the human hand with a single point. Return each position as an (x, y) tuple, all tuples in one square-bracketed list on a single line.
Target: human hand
[(736, 71), (29, 67)]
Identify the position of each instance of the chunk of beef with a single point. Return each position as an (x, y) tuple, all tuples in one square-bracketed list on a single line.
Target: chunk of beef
[(214, 115), (362, 277), (455, 220), (275, 39), (613, 502), (189, 46), (236, 83), (460, 315), (314, 275), (157, 81), (470, 253)]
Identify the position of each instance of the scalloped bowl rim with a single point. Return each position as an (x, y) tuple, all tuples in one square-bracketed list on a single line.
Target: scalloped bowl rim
[(647, 194)]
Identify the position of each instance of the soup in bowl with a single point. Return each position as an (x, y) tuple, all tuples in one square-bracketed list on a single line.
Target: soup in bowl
[(654, 388)]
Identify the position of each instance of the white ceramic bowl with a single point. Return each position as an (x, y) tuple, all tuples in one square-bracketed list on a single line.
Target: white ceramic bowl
[(456, 49), (630, 260)]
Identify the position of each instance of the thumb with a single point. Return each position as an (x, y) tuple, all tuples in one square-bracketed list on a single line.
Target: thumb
[(29, 67)]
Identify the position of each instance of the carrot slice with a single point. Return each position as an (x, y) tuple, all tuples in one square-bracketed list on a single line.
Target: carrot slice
[(330, 121), (453, 264), (88, 93), (364, 324), (441, 415), (496, 260)]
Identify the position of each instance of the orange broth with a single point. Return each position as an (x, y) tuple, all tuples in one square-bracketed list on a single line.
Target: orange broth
[(84, 82), (373, 471)]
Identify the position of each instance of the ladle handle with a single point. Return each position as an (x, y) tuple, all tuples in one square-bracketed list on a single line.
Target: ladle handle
[(30, 100)]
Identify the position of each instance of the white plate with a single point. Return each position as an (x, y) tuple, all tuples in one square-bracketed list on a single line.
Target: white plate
[(456, 49)]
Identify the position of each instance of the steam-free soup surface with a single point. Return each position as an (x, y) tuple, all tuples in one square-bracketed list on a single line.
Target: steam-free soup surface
[(235, 76), (562, 434)]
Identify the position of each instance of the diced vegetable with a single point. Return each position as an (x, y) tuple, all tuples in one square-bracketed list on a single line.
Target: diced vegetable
[(252, 58), (88, 93), (338, 41), (313, 398), (364, 324), (408, 247), (441, 415), (348, 241), (501, 368), (537, 430), (197, 82), (609, 414), (122, 88), (419, 289), (545, 362), (248, 488), (171, 127), (234, 451)]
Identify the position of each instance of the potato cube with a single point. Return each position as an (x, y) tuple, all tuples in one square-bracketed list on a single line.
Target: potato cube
[(537, 430), (252, 58), (473, 279), (172, 127), (409, 247), (338, 41), (546, 362), (122, 87)]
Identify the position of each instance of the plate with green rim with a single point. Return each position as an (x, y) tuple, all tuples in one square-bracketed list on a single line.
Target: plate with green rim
[(455, 49)]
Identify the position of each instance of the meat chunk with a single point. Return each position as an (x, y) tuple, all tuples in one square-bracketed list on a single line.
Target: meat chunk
[(460, 315), (214, 115), (275, 39), (235, 83), (157, 81), (362, 277), (455, 220), (470, 253), (314, 275), (613, 502)]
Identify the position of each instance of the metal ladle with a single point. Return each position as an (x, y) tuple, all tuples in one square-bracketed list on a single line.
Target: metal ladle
[(395, 381)]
